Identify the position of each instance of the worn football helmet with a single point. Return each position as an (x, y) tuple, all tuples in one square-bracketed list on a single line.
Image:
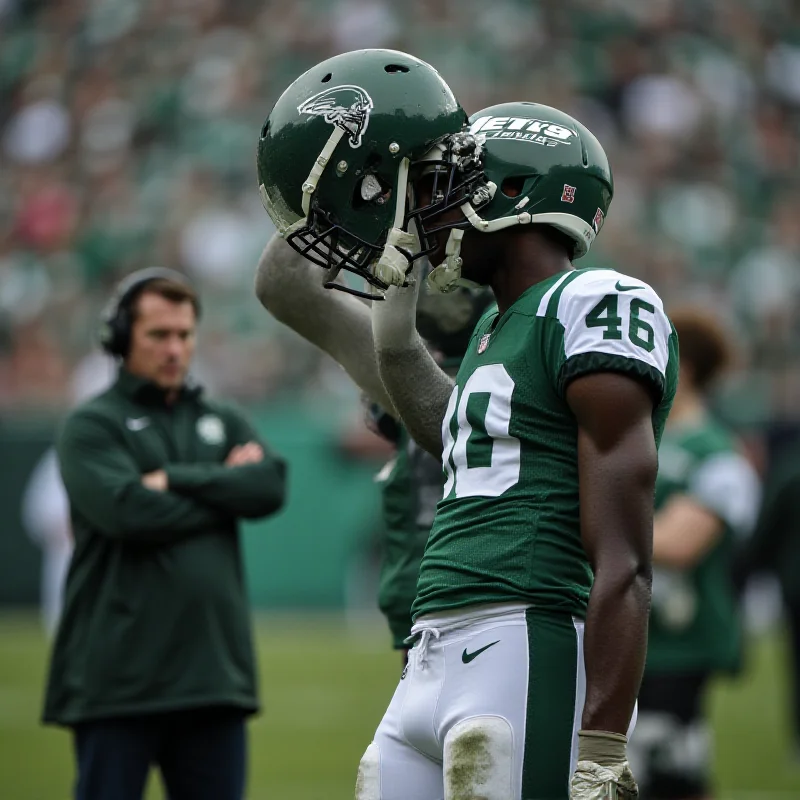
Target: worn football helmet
[(540, 166), (334, 157)]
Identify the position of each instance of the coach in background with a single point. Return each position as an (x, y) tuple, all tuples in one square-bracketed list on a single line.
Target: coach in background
[(153, 660)]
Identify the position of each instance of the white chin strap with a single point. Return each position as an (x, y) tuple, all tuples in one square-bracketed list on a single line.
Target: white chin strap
[(392, 265), (310, 184), (281, 215), (446, 276)]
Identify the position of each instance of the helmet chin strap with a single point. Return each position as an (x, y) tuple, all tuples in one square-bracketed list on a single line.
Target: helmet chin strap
[(393, 264), (284, 227), (446, 276), (310, 183)]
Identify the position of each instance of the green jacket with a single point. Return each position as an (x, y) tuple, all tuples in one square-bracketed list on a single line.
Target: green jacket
[(156, 615)]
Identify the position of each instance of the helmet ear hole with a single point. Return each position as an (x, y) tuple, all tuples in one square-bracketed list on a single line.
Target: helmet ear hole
[(512, 187)]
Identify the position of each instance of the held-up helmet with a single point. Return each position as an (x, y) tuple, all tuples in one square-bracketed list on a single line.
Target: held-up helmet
[(334, 157)]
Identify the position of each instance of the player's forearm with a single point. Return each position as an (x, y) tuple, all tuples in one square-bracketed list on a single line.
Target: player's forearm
[(419, 390), (617, 480), (290, 288), (615, 645), (285, 283)]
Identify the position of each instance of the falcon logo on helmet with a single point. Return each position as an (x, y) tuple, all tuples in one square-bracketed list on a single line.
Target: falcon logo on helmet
[(347, 106)]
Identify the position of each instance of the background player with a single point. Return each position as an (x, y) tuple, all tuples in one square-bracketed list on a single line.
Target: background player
[(291, 289), (707, 496)]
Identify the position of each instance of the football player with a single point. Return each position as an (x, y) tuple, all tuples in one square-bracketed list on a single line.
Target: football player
[(707, 497), (291, 289), (548, 436)]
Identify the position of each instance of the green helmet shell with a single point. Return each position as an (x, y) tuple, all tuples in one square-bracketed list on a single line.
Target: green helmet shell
[(560, 169), (390, 107)]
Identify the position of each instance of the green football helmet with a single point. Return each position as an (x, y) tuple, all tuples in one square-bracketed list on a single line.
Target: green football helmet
[(555, 172), (335, 152)]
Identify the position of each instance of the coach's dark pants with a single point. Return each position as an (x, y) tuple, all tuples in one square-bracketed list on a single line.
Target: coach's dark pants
[(201, 756)]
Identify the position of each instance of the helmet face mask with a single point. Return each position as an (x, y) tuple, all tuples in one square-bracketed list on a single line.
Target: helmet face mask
[(450, 176), (335, 152)]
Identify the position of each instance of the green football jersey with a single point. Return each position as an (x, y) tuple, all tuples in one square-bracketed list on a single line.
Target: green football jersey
[(694, 621), (411, 487), (507, 528)]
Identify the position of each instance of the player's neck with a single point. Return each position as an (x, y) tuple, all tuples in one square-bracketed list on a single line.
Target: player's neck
[(532, 260)]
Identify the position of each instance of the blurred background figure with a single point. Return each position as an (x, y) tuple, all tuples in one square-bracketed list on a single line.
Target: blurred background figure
[(45, 508), (45, 514), (707, 497), (127, 138), (775, 549)]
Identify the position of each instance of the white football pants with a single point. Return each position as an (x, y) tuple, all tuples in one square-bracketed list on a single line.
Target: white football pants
[(488, 708)]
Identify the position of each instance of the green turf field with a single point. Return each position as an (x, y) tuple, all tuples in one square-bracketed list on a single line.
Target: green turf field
[(324, 691)]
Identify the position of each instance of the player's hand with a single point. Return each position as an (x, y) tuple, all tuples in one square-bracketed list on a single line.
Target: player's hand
[(156, 481), (250, 453), (602, 772), (394, 319)]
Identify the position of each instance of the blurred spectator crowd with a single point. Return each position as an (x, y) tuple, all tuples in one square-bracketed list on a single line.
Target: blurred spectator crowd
[(128, 132)]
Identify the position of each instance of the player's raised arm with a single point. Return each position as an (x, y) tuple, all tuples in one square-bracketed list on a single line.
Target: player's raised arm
[(292, 290), (419, 389)]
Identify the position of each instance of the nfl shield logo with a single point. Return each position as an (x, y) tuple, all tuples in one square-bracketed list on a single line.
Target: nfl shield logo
[(597, 222), (568, 195), (484, 342)]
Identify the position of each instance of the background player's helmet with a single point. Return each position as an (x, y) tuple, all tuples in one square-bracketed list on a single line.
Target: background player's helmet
[(553, 169), (334, 155)]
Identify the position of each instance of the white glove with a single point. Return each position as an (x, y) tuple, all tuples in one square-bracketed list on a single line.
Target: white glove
[(392, 265), (602, 772), (394, 319)]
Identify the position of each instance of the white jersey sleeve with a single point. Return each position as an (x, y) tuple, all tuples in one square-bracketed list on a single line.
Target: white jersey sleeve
[(728, 486), (613, 322)]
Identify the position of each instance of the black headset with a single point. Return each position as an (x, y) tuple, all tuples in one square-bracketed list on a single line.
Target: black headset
[(115, 320)]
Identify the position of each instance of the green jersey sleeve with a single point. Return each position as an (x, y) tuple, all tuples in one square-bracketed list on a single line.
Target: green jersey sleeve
[(611, 322)]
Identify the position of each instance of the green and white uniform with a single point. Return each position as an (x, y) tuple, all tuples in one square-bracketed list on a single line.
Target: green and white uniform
[(507, 528), (504, 581), (694, 621)]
